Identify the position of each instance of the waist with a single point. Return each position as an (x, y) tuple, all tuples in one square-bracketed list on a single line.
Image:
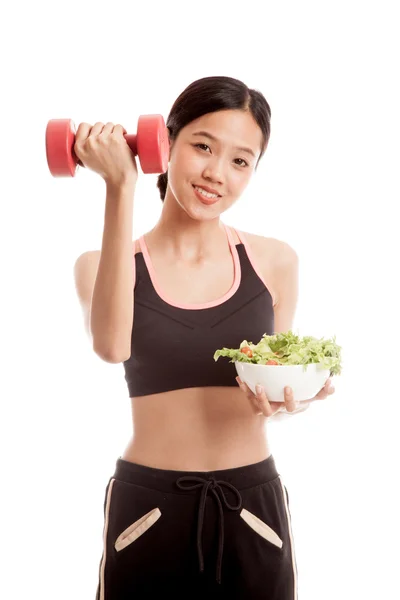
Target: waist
[(242, 477), (196, 428)]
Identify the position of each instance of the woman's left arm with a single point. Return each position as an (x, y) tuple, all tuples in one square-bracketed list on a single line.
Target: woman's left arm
[(285, 282)]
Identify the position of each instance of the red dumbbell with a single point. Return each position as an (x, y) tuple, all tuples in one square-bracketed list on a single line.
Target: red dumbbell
[(150, 143)]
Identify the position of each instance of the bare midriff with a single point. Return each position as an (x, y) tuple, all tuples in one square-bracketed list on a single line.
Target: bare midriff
[(196, 429)]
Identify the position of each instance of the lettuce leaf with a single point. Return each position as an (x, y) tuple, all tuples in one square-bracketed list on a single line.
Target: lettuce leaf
[(288, 349)]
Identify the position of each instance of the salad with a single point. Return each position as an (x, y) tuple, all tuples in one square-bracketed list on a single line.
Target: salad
[(287, 349)]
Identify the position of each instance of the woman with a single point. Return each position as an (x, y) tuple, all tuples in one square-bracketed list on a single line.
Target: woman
[(195, 507)]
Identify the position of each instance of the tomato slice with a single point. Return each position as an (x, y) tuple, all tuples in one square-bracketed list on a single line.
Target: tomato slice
[(247, 350)]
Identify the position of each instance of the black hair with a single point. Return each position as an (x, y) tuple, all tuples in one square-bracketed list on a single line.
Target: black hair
[(211, 94)]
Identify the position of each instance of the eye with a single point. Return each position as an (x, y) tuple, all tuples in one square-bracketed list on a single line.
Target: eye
[(243, 161), (197, 145)]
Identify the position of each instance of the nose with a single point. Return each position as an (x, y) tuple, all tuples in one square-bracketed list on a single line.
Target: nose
[(214, 172)]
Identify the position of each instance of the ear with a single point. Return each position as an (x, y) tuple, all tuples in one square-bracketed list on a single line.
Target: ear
[(171, 143)]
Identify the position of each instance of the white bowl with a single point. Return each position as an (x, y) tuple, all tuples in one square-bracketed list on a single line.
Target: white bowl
[(274, 378)]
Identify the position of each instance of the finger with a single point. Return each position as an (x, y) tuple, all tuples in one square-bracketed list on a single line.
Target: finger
[(245, 388), (96, 129), (107, 129), (263, 401), (249, 394), (330, 386), (253, 399), (82, 132), (324, 393), (290, 404), (120, 130), (241, 384)]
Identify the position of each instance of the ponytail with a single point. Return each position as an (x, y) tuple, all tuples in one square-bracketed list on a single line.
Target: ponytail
[(162, 182)]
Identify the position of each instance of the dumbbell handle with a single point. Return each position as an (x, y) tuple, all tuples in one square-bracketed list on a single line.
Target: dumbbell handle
[(131, 141)]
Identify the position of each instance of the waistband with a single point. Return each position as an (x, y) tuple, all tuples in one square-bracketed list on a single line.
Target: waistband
[(164, 480), (216, 483)]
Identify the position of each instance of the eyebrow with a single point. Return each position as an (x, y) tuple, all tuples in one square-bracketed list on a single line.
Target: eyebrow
[(214, 139)]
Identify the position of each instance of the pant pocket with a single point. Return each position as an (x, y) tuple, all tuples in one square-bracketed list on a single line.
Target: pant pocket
[(136, 529), (262, 528)]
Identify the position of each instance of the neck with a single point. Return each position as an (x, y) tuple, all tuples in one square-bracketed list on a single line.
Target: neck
[(187, 239)]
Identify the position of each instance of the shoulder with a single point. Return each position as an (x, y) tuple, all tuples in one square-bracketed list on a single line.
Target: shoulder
[(86, 260), (277, 260), (272, 252), (279, 247)]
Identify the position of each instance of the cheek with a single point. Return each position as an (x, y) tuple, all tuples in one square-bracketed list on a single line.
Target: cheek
[(239, 181), (184, 166)]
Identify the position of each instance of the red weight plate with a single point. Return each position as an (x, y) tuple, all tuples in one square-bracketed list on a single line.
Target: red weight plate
[(152, 144), (60, 140)]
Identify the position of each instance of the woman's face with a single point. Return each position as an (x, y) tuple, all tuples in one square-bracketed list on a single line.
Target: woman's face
[(219, 151)]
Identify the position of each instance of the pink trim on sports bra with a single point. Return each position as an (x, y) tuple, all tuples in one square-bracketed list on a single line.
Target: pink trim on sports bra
[(252, 260), (199, 305)]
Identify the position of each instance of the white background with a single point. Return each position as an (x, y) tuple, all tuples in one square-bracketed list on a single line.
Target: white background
[(327, 185)]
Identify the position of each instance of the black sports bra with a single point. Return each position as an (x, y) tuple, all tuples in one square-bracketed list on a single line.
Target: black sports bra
[(172, 345)]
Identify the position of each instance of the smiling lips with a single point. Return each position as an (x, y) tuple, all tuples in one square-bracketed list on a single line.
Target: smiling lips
[(204, 196)]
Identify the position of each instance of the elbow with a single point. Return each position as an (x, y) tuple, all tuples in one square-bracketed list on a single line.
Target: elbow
[(111, 356)]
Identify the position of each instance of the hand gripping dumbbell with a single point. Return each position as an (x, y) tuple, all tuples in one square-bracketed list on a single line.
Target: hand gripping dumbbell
[(150, 143)]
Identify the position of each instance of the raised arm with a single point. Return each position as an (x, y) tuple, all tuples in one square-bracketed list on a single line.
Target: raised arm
[(104, 279)]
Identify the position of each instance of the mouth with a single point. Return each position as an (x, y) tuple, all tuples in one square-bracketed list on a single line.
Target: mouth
[(205, 199)]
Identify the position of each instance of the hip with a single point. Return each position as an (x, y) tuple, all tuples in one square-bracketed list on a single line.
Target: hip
[(228, 529), (185, 454)]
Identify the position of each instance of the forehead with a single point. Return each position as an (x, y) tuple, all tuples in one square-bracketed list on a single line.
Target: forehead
[(233, 127)]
